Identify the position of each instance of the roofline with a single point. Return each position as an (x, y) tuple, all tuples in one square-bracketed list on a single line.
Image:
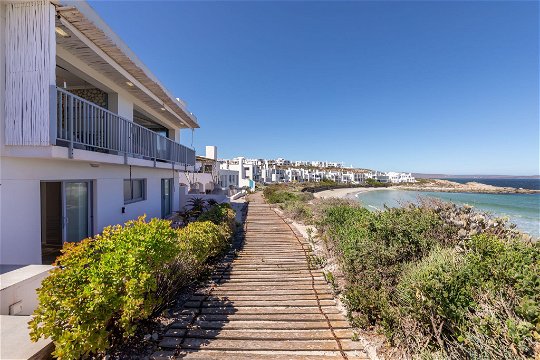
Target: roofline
[(91, 15)]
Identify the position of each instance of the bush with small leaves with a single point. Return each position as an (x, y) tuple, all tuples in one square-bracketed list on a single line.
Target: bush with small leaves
[(103, 286)]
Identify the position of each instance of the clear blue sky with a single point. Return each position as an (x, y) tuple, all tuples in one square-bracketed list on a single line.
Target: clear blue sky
[(439, 87)]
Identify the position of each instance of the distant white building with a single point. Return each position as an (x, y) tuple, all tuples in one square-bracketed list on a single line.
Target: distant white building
[(283, 162), (248, 173)]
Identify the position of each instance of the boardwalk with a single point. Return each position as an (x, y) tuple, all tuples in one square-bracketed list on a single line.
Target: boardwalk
[(267, 304)]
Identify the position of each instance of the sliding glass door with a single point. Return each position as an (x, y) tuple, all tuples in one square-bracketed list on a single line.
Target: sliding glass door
[(77, 211), (66, 215), (166, 197)]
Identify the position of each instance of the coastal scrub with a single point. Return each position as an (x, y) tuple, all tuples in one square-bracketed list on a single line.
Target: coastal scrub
[(434, 284)]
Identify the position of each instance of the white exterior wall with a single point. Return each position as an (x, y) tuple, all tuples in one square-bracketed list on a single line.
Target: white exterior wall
[(20, 223), (121, 105)]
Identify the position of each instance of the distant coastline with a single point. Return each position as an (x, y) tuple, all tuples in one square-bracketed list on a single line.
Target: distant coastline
[(449, 176), (439, 185), (429, 185)]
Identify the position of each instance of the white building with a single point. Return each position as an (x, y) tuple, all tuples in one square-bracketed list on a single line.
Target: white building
[(248, 173), (228, 179), (89, 136), (283, 162)]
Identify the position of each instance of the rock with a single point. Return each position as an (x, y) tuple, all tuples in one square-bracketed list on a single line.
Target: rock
[(462, 233), (107, 357), (155, 336), (147, 337)]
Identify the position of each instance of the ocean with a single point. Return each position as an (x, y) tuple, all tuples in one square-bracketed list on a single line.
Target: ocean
[(522, 209)]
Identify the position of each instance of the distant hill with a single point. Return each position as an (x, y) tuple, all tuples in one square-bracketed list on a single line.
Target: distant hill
[(446, 176)]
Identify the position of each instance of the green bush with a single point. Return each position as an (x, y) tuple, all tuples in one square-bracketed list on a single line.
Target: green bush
[(375, 183), (105, 285), (373, 247), (281, 196), (220, 214), (298, 210), (435, 293), (270, 189), (481, 301)]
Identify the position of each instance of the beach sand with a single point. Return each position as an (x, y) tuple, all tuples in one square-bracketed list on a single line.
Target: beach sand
[(344, 193)]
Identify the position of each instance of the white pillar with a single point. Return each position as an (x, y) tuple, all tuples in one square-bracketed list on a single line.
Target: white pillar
[(174, 134), (121, 106)]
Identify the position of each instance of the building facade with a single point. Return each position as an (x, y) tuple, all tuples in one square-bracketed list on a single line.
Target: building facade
[(89, 137)]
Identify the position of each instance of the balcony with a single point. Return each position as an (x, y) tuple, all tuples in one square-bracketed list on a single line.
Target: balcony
[(81, 124)]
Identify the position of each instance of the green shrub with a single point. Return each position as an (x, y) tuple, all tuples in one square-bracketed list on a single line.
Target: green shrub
[(479, 301), (270, 189), (298, 210), (105, 285), (438, 294), (219, 214), (373, 247), (281, 197), (375, 183)]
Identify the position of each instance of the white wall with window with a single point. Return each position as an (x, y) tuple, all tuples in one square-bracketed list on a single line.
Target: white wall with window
[(22, 189)]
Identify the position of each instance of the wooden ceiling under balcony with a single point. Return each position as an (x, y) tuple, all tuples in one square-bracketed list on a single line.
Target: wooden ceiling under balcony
[(146, 87)]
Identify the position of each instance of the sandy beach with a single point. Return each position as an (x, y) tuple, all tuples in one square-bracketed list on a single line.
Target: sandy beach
[(344, 192)]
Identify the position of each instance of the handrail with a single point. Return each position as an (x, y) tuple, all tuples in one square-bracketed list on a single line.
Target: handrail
[(83, 124)]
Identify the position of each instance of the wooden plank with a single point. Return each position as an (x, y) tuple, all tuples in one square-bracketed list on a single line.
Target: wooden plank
[(262, 317), (251, 334), (254, 355), (261, 297), (260, 345), (263, 310), (263, 325), (267, 303)]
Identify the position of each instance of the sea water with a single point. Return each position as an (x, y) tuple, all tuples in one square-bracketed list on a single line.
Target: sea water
[(521, 209)]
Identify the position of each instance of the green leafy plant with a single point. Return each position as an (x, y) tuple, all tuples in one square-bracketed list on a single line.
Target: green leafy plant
[(105, 285), (437, 294), (197, 206)]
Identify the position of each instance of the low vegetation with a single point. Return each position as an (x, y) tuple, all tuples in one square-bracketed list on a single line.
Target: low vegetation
[(103, 286), (439, 280)]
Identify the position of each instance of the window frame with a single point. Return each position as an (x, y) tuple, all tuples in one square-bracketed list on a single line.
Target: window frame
[(132, 199)]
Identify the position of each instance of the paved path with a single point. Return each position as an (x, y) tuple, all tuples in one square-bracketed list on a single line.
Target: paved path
[(266, 304)]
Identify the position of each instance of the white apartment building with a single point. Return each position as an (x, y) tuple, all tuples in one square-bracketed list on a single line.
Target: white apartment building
[(228, 179), (283, 162), (248, 173), (390, 177), (89, 137)]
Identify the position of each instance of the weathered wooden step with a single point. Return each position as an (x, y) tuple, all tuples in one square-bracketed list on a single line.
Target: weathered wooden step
[(255, 355), (296, 334), (292, 345), (267, 303), (261, 325), (262, 310), (262, 297), (262, 317)]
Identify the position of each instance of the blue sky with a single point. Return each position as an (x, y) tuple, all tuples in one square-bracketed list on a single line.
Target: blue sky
[(440, 87)]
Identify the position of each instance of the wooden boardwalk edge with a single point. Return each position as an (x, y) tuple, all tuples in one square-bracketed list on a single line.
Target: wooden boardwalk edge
[(266, 304)]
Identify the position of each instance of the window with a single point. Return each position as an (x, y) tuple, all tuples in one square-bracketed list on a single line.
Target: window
[(134, 190)]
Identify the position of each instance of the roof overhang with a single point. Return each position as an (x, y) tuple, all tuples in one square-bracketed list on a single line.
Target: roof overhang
[(91, 40)]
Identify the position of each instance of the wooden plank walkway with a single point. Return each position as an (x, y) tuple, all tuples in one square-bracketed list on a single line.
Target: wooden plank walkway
[(266, 304)]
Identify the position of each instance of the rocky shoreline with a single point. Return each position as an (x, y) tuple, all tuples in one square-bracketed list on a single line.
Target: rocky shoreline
[(470, 187)]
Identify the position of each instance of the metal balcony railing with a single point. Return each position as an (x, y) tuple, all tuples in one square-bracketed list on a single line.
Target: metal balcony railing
[(84, 125)]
